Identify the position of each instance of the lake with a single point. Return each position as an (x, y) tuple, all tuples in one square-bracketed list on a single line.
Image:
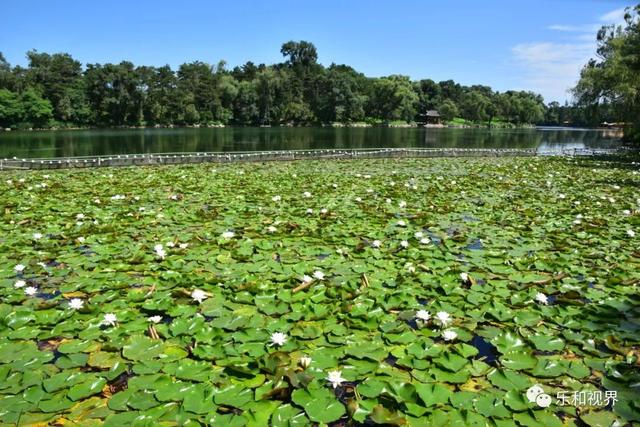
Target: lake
[(46, 144)]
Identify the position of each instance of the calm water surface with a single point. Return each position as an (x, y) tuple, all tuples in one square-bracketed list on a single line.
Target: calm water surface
[(130, 141)]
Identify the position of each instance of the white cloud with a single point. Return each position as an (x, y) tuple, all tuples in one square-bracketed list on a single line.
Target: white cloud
[(574, 28), (614, 17), (552, 68)]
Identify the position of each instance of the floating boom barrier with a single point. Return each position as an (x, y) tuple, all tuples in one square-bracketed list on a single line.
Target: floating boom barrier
[(286, 155)]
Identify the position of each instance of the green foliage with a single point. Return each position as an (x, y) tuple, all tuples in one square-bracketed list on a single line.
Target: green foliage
[(298, 91), (612, 82)]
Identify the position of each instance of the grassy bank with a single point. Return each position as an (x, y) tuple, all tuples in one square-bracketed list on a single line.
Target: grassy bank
[(425, 292)]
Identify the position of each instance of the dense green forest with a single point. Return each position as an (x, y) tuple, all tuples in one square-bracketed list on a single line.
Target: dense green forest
[(55, 90), (613, 78)]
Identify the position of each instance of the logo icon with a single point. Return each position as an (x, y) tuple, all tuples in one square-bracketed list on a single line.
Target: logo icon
[(535, 394)]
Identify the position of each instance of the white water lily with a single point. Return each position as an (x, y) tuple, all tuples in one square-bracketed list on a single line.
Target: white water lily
[(276, 198), (37, 236), (626, 212), (184, 245), (335, 378), (42, 264), (228, 235), (305, 361), (324, 211), (170, 244), (464, 277), (423, 315), (30, 290), (387, 201), (561, 196), (443, 317), (159, 250), (418, 234), (278, 338), (402, 204), (19, 284), (449, 335), (271, 229), (81, 239), (76, 303), (155, 319), (307, 279), (376, 243), (318, 275), (19, 268), (80, 216), (425, 241), (306, 194), (542, 298), (358, 199), (401, 223), (199, 295), (109, 319), (404, 244), (309, 211)]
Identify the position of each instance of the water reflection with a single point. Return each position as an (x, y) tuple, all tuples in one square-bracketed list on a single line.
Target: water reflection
[(123, 141)]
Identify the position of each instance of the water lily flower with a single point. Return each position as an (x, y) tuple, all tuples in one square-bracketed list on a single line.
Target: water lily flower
[(228, 235), (199, 295), (318, 275), (418, 234), (42, 264), (626, 212), (387, 201), (449, 335), (19, 284), (324, 211), (401, 223), (307, 279), (464, 277), (358, 199), (561, 196), (276, 198), (542, 298), (425, 241), (334, 185), (160, 252), (155, 319), (19, 268), (81, 239), (631, 233), (109, 319), (402, 204), (170, 244), (367, 177), (306, 194), (404, 244), (376, 243), (76, 303), (271, 229), (443, 317), (278, 338), (305, 361), (423, 315), (80, 216), (30, 290), (184, 245), (335, 378), (309, 211), (37, 236)]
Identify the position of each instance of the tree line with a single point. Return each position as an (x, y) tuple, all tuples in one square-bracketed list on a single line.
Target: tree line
[(55, 90)]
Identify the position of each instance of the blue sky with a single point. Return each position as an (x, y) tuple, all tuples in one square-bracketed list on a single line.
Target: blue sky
[(535, 45)]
